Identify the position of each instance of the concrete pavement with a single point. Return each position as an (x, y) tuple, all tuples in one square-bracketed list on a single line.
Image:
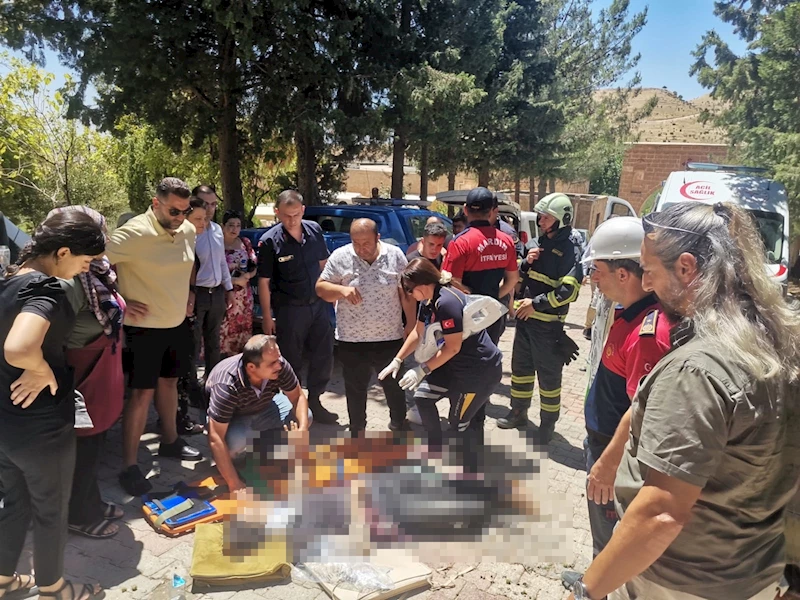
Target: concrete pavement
[(137, 560)]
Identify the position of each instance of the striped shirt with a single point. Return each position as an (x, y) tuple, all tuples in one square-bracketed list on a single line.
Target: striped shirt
[(231, 394)]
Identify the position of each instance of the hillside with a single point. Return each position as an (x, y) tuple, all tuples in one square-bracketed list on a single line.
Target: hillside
[(675, 119)]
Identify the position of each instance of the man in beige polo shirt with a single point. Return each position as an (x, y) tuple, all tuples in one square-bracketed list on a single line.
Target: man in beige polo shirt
[(154, 254)]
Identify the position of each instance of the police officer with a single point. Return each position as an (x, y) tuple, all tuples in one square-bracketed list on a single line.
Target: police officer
[(551, 281), (637, 340), (291, 257)]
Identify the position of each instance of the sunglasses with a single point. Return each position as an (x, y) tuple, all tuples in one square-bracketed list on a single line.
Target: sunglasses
[(174, 212)]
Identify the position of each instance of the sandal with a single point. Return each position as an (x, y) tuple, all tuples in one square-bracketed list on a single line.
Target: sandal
[(101, 530), (85, 592), (23, 589), (112, 512)]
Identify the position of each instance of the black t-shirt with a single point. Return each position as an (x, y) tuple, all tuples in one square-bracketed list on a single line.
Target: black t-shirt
[(472, 368), (40, 295), (415, 254)]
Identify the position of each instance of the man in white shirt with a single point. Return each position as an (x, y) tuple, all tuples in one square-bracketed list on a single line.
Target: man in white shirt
[(213, 288), (363, 279)]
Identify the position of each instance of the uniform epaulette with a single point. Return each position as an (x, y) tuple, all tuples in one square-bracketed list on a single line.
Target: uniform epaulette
[(648, 327)]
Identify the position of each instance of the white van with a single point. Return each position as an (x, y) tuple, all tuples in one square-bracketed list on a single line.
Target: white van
[(764, 198)]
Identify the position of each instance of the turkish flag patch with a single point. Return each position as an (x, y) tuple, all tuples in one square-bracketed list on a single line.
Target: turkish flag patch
[(448, 324)]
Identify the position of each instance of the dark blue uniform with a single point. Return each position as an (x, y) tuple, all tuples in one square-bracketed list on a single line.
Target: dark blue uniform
[(302, 321)]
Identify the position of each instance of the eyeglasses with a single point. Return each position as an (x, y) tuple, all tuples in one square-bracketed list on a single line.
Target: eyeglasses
[(649, 226), (174, 212)]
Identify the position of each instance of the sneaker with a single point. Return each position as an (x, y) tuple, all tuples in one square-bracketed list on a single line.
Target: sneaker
[(568, 578), (323, 416), (133, 482), (179, 449), (403, 426), (413, 415), (188, 427), (516, 417)]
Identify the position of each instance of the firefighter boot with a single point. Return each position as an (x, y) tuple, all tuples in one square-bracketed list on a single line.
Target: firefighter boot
[(516, 418)]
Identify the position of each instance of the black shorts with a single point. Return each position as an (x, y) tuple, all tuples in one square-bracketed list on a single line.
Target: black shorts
[(155, 353)]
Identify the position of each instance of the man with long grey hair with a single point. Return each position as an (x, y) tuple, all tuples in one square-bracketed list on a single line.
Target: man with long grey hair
[(709, 467)]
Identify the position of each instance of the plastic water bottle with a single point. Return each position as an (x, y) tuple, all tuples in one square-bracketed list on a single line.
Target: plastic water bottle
[(5, 257), (172, 589)]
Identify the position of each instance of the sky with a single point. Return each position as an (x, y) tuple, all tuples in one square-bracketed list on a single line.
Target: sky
[(673, 30)]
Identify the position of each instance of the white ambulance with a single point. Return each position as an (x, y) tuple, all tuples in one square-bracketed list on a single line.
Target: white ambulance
[(764, 198)]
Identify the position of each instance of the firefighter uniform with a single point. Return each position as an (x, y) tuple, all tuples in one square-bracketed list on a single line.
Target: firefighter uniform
[(552, 282)]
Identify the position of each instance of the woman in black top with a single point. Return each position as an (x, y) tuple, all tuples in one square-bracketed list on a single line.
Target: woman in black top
[(37, 409)]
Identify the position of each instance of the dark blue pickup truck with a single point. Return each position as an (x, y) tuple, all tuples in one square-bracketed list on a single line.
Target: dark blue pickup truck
[(398, 225)]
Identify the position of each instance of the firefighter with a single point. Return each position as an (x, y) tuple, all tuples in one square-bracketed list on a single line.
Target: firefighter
[(550, 279)]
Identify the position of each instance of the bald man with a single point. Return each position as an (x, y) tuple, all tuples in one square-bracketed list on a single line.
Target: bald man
[(363, 279)]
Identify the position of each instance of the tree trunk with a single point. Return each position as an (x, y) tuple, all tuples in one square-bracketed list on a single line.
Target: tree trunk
[(552, 185), (517, 186), (483, 177), (531, 193), (423, 174), (542, 187), (306, 166), (226, 130), (398, 161), (451, 180)]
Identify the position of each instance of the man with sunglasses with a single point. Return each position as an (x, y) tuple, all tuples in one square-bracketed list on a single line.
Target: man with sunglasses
[(154, 254)]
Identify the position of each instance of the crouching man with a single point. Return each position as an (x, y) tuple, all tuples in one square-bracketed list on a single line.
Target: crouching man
[(245, 399)]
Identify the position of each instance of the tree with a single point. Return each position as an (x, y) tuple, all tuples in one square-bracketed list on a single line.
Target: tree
[(758, 91), (46, 159)]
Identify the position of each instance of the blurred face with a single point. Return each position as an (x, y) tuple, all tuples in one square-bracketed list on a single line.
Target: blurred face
[(607, 280), (268, 369), (432, 247), (545, 221), (458, 227), (290, 214), (232, 228), (171, 211), (211, 201), (198, 219), (365, 244), (68, 265), (672, 286)]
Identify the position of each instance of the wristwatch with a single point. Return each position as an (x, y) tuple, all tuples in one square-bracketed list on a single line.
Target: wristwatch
[(579, 590), (425, 369)]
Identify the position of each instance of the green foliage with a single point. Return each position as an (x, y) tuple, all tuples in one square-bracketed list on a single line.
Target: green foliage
[(606, 179), (758, 90), (48, 160)]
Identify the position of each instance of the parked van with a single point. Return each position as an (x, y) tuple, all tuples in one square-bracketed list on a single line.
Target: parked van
[(764, 198)]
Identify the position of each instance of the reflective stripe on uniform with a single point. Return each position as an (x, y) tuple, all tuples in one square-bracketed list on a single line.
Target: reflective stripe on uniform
[(523, 394), (468, 398), (547, 317), (576, 287), (553, 408), (536, 276), (550, 393), (523, 379)]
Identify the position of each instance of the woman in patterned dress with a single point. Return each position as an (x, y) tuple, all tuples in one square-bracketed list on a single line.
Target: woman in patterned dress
[(238, 324)]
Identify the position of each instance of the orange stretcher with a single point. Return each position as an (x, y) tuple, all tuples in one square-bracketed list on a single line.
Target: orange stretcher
[(173, 513)]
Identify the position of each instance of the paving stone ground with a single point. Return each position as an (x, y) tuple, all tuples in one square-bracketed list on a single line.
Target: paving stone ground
[(137, 560)]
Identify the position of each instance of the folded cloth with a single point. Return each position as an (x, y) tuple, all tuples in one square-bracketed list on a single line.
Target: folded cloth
[(211, 566)]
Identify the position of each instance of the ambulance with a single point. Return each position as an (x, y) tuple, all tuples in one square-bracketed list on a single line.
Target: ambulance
[(748, 187)]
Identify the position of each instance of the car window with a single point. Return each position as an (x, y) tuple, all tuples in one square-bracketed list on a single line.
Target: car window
[(620, 210), (332, 223), (417, 225)]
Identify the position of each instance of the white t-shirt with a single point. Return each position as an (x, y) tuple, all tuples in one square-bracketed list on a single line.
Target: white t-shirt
[(379, 316)]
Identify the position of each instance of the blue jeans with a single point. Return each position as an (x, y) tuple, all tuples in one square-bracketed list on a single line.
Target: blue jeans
[(602, 518), (244, 428)]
